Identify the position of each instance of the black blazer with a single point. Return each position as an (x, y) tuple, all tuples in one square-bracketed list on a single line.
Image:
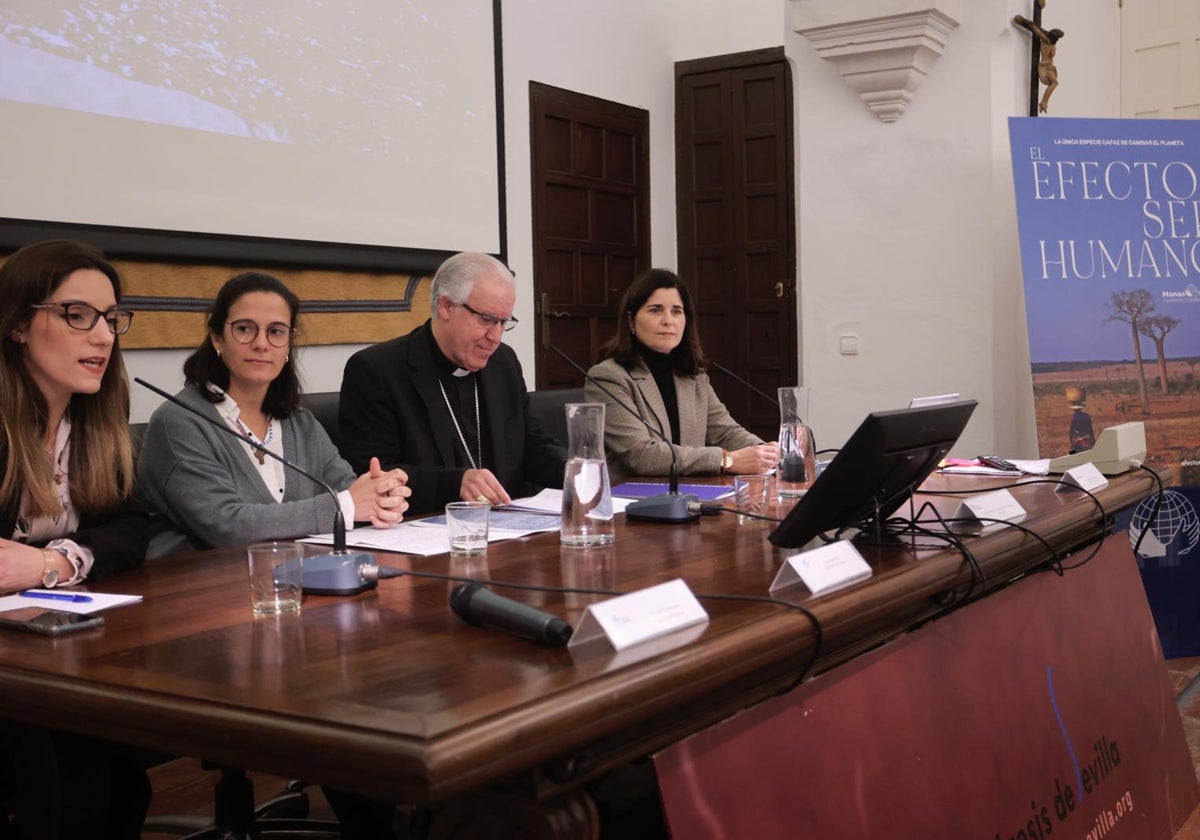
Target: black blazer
[(117, 539), (391, 408)]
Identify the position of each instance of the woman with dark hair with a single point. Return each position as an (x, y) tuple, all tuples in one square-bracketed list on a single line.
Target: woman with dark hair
[(213, 490), (654, 366), (67, 512)]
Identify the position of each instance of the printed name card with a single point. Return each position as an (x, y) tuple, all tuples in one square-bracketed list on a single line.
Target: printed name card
[(823, 569), (1085, 477), (640, 616), (990, 508)]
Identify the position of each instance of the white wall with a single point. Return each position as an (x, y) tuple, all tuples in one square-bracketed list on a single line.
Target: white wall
[(906, 231)]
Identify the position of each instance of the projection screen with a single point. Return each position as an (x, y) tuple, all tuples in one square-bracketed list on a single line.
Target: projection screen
[(322, 132)]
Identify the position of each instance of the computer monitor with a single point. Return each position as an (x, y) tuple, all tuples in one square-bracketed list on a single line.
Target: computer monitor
[(886, 458)]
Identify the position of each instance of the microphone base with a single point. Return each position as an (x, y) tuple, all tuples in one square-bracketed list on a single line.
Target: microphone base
[(669, 508), (336, 574)]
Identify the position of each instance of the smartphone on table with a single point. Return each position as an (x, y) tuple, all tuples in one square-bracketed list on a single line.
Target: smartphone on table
[(48, 622)]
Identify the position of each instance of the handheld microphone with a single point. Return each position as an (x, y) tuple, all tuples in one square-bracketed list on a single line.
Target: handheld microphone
[(476, 605), (758, 391), (336, 573), (671, 507)]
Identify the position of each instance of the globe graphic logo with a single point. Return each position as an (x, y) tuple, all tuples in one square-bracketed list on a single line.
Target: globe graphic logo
[(1177, 520)]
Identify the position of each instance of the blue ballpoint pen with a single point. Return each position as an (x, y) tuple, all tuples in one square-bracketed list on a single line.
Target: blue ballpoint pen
[(58, 596)]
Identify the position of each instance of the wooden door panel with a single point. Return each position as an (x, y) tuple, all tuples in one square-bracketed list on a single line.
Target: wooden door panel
[(588, 151), (763, 272), (737, 222), (620, 158), (761, 162), (615, 218), (554, 139), (566, 212), (591, 228), (558, 275)]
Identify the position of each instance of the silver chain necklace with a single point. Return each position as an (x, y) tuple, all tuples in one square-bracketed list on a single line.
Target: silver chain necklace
[(457, 428)]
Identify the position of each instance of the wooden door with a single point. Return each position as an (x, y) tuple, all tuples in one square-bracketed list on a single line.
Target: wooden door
[(1160, 59), (736, 223), (591, 222)]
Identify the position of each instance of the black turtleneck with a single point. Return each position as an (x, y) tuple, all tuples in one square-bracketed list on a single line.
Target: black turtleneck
[(662, 368), (460, 390)]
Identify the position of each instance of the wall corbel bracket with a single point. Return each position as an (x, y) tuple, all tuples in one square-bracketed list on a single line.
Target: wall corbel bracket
[(885, 55)]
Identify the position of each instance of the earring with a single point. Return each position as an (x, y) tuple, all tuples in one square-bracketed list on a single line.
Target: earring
[(287, 358), (218, 353)]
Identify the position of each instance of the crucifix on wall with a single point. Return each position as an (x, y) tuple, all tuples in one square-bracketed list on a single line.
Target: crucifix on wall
[(1042, 68)]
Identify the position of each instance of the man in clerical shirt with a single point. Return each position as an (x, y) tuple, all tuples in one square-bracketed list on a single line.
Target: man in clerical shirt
[(447, 402)]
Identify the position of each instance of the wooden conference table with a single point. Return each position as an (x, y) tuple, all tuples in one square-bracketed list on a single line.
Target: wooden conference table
[(388, 693)]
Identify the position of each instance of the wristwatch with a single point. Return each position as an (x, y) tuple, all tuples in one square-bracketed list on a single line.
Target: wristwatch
[(726, 461), (49, 573)]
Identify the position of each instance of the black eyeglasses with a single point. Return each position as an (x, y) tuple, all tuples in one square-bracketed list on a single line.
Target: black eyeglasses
[(83, 316), (244, 331), (488, 321)]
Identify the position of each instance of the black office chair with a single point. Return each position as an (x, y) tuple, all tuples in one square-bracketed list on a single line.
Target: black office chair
[(548, 407), (283, 817), (324, 406)]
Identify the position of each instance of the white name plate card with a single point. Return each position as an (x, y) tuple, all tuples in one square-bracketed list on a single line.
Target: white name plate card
[(1085, 477), (640, 616), (989, 509), (823, 569)]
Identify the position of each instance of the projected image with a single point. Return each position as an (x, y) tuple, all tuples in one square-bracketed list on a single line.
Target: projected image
[(323, 73)]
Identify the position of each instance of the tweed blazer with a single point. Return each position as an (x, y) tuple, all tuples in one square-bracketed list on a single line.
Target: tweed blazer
[(705, 427)]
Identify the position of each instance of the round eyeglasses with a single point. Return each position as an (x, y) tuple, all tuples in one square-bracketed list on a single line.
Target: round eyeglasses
[(244, 331), (83, 316)]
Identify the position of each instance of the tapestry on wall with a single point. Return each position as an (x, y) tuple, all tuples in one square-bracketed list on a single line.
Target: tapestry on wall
[(170, 302), (1109, 218)]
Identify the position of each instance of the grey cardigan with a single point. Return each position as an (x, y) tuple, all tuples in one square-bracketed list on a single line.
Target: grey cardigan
[(209, 494), (705, 427)]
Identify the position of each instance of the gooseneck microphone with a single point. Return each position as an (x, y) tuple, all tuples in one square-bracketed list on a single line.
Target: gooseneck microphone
[(476, 605), (336, 573), (745, 382), (672, 506)]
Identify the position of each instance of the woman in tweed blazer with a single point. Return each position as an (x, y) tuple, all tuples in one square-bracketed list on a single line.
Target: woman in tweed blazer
[(654, 366)]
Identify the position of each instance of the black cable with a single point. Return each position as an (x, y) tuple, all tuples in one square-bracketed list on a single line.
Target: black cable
[(1056, 564), (1153, 518), (978, 576), (717, 507)]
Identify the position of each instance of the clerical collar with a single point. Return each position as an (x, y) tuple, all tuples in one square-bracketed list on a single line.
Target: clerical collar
[(443, 364)]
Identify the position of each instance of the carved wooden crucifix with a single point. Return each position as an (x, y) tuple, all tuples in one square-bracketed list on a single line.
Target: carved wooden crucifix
[(1041, 62)]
